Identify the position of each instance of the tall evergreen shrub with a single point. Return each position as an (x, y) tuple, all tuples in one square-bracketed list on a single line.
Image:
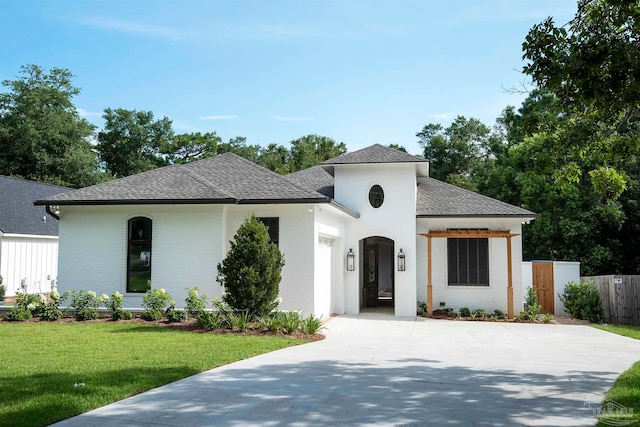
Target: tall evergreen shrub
[(251, 272)]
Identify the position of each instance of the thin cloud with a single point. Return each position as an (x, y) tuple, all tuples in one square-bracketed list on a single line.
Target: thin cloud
[(85, 113), (220, 117), (291, 119), (131, 27), (442, 116)]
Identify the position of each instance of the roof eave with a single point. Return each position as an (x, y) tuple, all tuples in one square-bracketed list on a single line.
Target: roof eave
[(133, 202), (530, 216)]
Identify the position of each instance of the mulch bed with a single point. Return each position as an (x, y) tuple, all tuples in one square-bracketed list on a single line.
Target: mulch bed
[(487, 319)]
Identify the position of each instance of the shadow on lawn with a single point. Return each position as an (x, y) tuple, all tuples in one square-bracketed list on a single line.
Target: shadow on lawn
[(330, 393), (41, 399)]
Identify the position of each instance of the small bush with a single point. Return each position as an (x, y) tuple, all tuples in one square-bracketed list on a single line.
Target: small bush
[(155, 302), (291, 321), (422, 307), (50, 311), (210, 320), (18, 314), (176, 316), (499, 314), (311, 324), (531, 305), (195, 302), (582, 301), (465, 312), (3, 290), (481, 313), (272, 322), (115, 305), (522, 316), (84, 305), (240, 320), (547, 318)]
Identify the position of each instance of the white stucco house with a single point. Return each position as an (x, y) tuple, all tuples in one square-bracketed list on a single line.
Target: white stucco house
[(28, 236), (366, 229)]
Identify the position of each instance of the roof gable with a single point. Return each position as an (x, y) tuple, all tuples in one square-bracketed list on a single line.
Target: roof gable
[(376, 153), (225, 178), (439, 199), (315, 178), (18, 215)]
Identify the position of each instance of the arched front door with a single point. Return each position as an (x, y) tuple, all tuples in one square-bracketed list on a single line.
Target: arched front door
[(377, 272)]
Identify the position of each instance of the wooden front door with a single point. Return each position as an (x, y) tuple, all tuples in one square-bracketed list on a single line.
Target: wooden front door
[(371, 275), (542, 275)]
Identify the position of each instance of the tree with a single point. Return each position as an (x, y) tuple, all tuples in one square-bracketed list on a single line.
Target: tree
[(276, 158), (42, 136), (397, 147), (592, 65), (251, 271), (591, 61), (311, 150), (189, 147), (455, 152), (132, 142), (238, 145)]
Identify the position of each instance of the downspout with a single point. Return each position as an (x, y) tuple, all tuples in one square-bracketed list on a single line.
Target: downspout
[(50, 212)]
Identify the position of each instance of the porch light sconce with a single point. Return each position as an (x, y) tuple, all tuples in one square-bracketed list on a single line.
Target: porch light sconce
[(401, 264), (351, 260)]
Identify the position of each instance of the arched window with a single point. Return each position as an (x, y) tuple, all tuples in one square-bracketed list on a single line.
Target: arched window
[(139, 255)]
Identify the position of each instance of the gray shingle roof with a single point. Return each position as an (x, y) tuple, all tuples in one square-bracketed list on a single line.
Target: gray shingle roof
[(18, 215), (226, 178), (315, 178), (375, 154), (437, 199)]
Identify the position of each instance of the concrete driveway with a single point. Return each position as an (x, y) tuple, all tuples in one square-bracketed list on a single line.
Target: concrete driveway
[(376, 369)]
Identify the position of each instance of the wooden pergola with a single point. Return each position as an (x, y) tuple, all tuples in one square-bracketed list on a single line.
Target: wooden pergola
[(470, 234)]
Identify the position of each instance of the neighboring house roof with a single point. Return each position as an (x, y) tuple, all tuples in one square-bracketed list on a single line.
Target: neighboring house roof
[(315, 178), (438, 199), (375, 154), (226, 178), (18, 215)]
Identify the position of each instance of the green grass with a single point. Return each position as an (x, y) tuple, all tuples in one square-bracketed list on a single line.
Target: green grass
[(41, 362), (627, 331), (626, 388)]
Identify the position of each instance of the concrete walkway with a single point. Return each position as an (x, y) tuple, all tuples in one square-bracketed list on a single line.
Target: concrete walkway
[(376, 369)]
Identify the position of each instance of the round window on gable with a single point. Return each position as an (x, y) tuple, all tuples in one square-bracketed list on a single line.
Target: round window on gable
[(376, 196)]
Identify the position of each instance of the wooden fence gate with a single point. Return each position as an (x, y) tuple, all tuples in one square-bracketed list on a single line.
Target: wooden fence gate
[(542, 278), (619, 296)]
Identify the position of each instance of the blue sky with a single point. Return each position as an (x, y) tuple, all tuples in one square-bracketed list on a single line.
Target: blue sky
[(361, 72)]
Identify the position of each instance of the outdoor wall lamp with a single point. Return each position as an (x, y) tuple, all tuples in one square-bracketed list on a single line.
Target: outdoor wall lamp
[(401, 258), (351, 260)]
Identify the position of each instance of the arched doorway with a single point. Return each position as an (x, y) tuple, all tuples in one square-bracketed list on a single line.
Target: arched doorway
[(377, 280)]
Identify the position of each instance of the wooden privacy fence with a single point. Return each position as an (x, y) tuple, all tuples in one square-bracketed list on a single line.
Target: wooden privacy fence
[(619, 296)]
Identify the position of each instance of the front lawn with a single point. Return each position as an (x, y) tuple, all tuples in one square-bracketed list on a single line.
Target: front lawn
[(52, 371), (626, 389)]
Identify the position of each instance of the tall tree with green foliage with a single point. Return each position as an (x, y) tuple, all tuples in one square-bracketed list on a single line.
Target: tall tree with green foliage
[(251, 271), (133, 142), (456, 152), (42, 136), (189, 147), (592, 65), (311, 150)]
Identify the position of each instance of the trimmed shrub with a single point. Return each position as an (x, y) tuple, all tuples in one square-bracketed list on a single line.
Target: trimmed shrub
[(582, 301), (18, 314), (464, 312), (251, 272), (499, 314), (422, 307)]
